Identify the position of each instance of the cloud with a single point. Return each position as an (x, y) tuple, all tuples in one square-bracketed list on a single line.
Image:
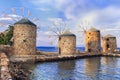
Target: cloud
[(43, 38), (41, 1), (44, 9), (106, 19), (54, 19), (10, 17), (100, 14), (7, 18)]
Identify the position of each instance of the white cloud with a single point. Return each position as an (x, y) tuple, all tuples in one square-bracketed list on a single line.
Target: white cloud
[(43, 38), (6, 18), (44, 9), (102, 17), (10, 17), (55, 19), (39, 2), (14, 15), (107, 20)]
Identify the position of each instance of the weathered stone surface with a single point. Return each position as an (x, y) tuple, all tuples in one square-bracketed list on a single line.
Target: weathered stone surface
[(109, 43), (92, 40), (3, 55), (20, 70), (67, 44), (4, 61), (24, 39), (22, 58), (4, 69)]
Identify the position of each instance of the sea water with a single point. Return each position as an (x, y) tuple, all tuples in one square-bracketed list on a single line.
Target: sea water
[(94, 68), (55, 49)]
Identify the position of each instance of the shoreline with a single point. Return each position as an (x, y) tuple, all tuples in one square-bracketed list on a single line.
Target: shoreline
[(54, 56), (12, 63)]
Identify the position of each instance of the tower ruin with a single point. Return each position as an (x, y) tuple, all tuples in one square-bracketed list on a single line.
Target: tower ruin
[(24, 37), (67, 43), (92, 40), (109, 43)]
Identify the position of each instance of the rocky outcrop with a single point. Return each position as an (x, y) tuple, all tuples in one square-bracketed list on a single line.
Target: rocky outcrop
[(4, 67), (19, 71)]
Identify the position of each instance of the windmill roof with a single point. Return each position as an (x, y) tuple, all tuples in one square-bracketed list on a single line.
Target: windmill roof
[(93, 29), (109, 35), (25, 21), (67, 33)]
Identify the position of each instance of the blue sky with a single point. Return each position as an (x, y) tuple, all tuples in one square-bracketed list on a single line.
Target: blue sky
[(101, 14)]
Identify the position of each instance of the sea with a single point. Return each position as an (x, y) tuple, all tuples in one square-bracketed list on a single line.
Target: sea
[(55, 49), (94, 68)]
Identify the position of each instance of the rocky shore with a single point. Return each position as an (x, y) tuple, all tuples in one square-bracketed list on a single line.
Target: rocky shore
[(19, 71), (4, 67), (13, 70)]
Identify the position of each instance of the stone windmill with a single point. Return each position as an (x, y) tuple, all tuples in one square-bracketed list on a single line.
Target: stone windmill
[(24, 37), (67, 43), (109, 43), (24, 33), (66, 39), (92, 39)]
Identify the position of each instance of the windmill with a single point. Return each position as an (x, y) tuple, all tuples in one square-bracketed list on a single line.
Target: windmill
[(112, 45), (57, 28), (14, 17), (106, 31), (83, 27)]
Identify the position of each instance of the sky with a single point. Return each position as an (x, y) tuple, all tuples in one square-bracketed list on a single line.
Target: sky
[(101, 14)]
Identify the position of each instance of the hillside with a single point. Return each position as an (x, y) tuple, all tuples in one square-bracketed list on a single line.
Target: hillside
[(6, 36)]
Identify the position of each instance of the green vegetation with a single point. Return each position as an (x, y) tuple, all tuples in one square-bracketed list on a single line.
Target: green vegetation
[(6, 36)]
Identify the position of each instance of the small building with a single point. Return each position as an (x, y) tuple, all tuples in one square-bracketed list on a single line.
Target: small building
[(92, 40), (67, 43), (24, 37), (109, 43)]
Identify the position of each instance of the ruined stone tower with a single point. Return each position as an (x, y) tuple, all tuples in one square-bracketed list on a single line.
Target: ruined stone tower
[(109, 43), (67, 43), (92, 40), (24, 36)]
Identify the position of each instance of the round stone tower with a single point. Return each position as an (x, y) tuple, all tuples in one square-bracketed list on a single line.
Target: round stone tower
[(24, 37), (67, 43), (92, 40), (109, 43)]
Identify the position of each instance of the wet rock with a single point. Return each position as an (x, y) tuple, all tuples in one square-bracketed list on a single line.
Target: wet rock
[(19, 71)]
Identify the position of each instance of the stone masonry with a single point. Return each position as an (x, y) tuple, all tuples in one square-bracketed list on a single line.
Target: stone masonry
[(92, 40), (24, 36), (67, 43), (109, 43)]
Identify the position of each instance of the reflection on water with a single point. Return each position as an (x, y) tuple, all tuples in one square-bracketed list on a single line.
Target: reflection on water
[(109, 68), (66, 67), (104, 68), (92, 66)]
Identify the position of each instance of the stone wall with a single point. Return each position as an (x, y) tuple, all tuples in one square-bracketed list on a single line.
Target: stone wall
[(4, 67), (109, 44), (24, 39), (67, 45), (92, 41), (7, 49)]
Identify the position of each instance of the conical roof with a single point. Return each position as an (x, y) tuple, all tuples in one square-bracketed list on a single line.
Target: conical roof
[(109, 35), (25, 21), (67, 33), (93, 29)]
